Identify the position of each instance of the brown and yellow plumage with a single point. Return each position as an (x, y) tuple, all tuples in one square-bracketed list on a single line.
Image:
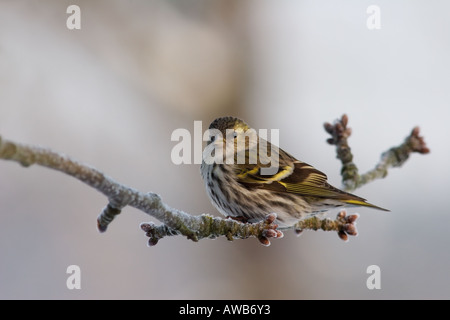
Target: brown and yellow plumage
[(294, 191)]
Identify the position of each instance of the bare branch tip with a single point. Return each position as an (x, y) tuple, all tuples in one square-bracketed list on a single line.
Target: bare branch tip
[(328, 127), (152, 242), (343, 236), (264, 241), (331, 141), (417, 142), (270, 233), (100, 226), (352, 218), (347, 224), (146, 227), (344, 120), (270, 218), (341, 214), (338, 130), (350, 229)]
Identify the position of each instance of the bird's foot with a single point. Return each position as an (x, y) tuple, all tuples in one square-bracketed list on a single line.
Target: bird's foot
[(238, 218)]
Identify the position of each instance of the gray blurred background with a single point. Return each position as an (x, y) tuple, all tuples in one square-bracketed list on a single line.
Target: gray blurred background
[(111, 94)]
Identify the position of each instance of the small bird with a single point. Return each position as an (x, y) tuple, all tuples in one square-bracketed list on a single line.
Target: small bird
[(243, 191)]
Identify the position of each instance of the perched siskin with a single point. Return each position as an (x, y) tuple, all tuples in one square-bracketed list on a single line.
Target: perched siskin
[(247, 184)]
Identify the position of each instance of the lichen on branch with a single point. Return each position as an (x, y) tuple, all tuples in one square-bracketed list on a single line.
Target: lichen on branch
[(394, 157)]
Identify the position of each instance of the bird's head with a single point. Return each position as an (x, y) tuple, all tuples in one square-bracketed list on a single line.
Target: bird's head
[(232, 135), (226, 128), (228, 123)]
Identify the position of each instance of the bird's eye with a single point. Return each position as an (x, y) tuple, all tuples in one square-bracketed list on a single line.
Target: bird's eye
[(235, 134), (212, 138)]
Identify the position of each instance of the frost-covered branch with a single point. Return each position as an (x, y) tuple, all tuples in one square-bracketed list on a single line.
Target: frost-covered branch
[(394, 157), (176, 222)]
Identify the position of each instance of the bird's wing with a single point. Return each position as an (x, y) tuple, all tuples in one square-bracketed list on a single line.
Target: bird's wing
[(295, 177), (299, 178)]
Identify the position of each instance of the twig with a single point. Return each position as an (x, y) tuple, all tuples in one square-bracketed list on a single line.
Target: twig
[(394, 157), (206, 226), (344, 225)]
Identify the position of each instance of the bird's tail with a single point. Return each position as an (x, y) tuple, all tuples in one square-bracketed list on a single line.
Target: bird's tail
[(363, 203)]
